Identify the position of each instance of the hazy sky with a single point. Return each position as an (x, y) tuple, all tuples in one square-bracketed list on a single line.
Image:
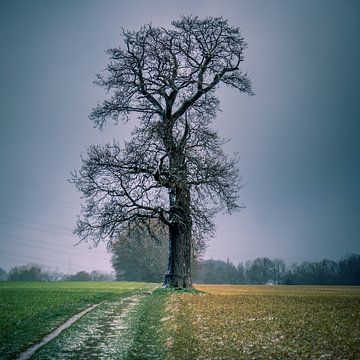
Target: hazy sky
[(298, 137)]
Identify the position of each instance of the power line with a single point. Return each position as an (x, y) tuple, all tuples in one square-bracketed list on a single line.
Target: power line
[(41, 199), (17, 219), (48, 246), (62, 251), (37, 260), (36, 228)]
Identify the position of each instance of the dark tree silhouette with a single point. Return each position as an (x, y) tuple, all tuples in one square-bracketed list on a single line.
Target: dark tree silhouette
[(80, 276), (3, 274), (31, 272), (173, 169), (137, 257)]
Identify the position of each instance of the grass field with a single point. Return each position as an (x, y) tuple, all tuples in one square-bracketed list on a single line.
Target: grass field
[(215, 322), (264, 322), (30, 310)]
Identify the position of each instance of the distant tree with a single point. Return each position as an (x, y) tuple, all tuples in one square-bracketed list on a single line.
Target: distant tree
[(139, 256), (260, 271), (278, 270), (207, 272), (241, 273), (31, 272), (217, 272), (299, 274), (97, 275), (349, 270), (324, 272), (80, 276), (3, 274), (173, 169), (288, 277), (230, 273)]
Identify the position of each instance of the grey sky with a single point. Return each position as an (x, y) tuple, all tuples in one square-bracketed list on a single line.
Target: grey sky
[(298, 137)]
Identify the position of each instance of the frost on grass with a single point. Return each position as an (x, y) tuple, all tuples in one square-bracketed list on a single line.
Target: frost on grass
[(256, 323), (104, 333)]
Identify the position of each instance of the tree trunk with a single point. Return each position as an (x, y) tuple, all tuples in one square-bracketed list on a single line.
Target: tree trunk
[(178, 273)]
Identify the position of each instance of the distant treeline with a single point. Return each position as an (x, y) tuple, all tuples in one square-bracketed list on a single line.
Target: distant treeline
[(266, 271), (137, 257), (260, 271), (34, 272)]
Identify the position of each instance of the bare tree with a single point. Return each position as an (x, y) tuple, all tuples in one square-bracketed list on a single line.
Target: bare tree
[(173, 169)]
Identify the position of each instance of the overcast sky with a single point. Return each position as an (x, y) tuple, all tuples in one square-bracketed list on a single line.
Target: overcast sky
[(298, 137)]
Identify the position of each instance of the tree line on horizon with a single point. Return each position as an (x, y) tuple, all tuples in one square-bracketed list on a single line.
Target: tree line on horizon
[(34, 272), (260, 271), (137, 256), (265, 271)]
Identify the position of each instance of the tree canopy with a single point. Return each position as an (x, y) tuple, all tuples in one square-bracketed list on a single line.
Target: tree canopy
[(137, 257)]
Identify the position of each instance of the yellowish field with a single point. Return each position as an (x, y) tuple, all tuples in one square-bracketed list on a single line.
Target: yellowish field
[(264, 322), (280, 290)]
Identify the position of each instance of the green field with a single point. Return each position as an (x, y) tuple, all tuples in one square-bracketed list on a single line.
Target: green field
[(216, 322), (30, 310)]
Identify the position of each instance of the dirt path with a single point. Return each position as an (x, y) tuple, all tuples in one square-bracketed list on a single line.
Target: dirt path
[(103, 333), (29, 352)]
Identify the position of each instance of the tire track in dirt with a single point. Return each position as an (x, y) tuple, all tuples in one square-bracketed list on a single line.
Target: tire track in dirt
[(29, 352), (103, 333)]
